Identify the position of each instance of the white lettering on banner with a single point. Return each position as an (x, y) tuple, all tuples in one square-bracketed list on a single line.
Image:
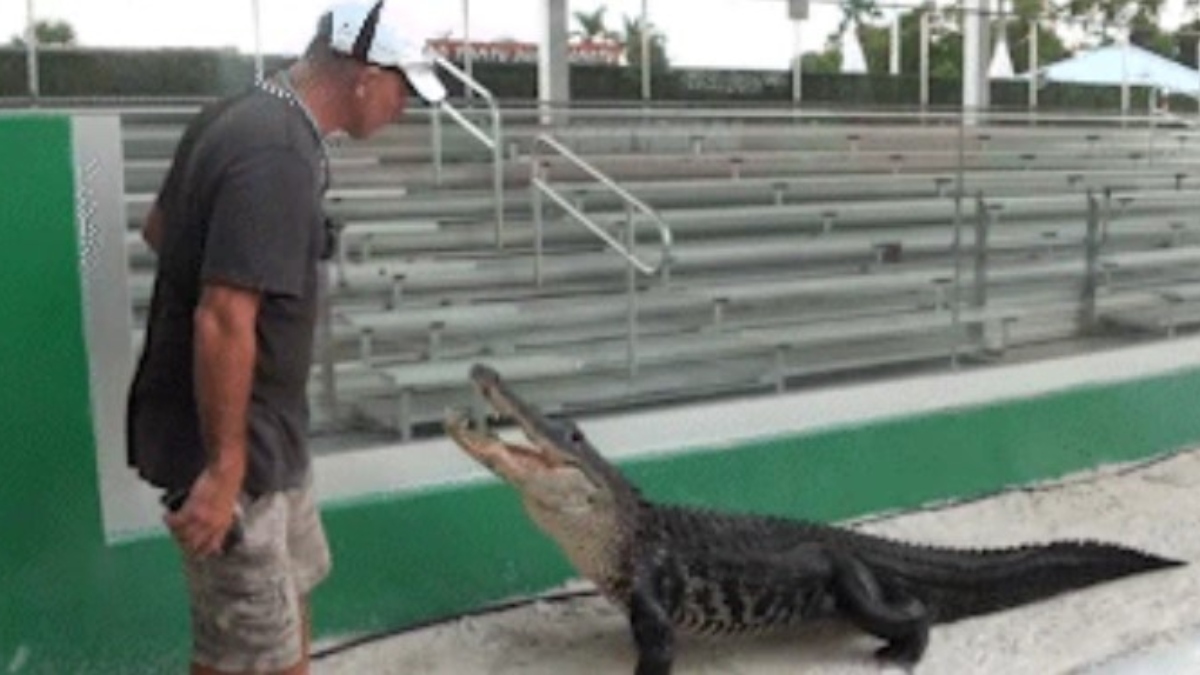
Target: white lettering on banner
[(510, 51)]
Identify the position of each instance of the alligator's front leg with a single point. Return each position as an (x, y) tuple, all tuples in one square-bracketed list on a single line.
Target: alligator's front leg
[(650, 621), (888, 614)]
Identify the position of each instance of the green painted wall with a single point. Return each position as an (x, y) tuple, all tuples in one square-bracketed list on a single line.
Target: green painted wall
[(65, 600), (69, 603)]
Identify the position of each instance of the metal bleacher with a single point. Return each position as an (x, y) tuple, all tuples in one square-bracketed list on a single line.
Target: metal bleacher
[(657, 256)]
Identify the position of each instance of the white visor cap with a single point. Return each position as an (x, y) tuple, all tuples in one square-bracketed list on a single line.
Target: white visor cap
[(376, 35)]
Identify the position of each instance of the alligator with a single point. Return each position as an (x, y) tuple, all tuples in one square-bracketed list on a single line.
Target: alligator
[(673, 568)]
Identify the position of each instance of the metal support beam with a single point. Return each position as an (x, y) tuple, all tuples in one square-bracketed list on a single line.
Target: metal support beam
[(256, 17), (797, 13), (797, 62), (1091, 251), (647, 90), (468, 50), (924, 60), (894, 51), (1034, 63), (554, 85), (976, 51), (1126, 103)]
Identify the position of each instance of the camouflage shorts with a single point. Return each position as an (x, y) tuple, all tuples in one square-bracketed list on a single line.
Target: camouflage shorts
[(246, 603)]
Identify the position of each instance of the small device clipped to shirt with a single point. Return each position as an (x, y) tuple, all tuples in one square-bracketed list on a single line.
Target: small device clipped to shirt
[(173, 500)]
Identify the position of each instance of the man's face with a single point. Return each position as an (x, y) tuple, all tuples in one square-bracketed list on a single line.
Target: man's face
[(380, 98)]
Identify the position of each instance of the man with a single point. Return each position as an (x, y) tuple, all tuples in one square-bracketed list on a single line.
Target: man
[(217, 408)]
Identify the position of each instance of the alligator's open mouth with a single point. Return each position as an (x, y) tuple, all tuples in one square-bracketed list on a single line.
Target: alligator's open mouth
[(507, 459)]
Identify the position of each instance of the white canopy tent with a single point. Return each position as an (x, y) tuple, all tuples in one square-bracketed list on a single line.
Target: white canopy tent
[(1120, 64), (854, 61), (1001, 67)]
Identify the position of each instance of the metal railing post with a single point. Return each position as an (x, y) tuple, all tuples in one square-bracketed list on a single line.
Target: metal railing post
[(632, 299), (537, 205), (982, 225), (435, 125), (498, 174), (495, 142), (329, 393), (31, 53), (1091, 251)]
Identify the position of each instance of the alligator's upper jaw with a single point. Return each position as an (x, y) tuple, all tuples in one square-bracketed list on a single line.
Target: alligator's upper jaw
[(503, 400), (506, 403)]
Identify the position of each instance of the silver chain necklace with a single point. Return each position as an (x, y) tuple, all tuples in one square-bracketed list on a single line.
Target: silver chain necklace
[(281, 87)]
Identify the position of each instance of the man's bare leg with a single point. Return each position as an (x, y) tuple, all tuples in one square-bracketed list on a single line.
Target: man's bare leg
[(301, 666)]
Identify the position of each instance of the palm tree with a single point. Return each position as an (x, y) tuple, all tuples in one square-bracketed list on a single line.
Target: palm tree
[(592, 26), (632, 41), (854, 12)]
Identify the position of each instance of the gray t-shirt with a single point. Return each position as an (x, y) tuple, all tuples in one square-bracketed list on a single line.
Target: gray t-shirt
[(242, 206)]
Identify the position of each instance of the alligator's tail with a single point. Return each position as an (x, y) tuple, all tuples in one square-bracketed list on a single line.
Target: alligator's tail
[(959, 583)]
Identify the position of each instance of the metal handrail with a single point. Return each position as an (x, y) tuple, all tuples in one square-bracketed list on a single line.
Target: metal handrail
[(494, 142), (624, 111), (540, 187)]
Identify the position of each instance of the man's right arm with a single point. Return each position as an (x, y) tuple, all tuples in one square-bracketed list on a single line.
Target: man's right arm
[(224, 369)]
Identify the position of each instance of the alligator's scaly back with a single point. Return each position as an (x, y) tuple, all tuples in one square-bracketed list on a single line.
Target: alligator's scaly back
[(673, 567), (952, 583)]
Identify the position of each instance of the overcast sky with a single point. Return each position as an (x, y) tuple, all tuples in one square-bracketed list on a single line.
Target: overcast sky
[(725, 33)]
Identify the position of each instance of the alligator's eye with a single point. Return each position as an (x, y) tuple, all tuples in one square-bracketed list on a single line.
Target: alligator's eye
[(576, 436)]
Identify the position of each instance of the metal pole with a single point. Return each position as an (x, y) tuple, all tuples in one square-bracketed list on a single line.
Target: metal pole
[(435, 119), (1125, 102), (645, 50), (258, 55), (468, 52), (535, 189), (1034, 64), (924, 60), (894, 61), (31, 50), (976, 39), (798, 62), (631, 354), (1092, 260), (983, 222), (328, 371)]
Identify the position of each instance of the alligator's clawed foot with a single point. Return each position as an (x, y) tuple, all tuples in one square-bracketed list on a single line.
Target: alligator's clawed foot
[(905, 652)]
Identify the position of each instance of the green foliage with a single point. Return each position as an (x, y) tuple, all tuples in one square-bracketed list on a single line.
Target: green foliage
[(50, 33), (1099, 17)]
